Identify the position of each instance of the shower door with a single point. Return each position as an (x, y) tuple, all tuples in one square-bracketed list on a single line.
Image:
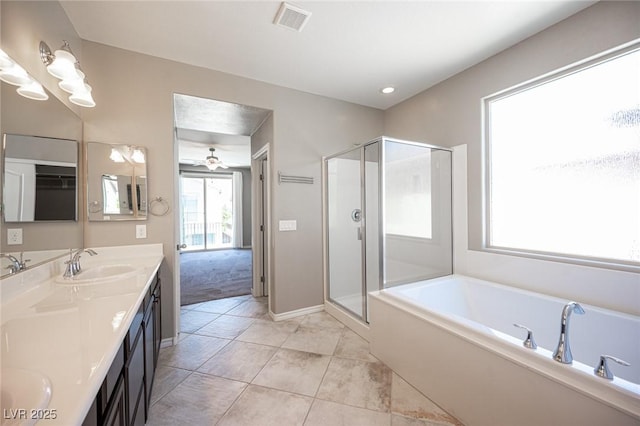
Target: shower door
[(345, 231), (353, 227)]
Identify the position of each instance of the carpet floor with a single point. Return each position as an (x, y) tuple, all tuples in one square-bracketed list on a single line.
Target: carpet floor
[(217, 274)]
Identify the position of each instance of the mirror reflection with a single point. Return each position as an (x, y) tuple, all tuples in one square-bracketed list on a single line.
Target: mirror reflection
[(117, 182), (40, 179)]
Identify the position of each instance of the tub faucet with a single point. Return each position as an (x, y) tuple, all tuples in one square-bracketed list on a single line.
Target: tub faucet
[(563, 351), (73, 264)]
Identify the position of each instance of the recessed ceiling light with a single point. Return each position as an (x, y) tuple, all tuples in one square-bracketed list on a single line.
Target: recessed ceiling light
[(387, 90)]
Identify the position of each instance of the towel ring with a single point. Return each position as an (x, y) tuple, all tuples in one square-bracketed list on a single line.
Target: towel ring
[(159, 211)]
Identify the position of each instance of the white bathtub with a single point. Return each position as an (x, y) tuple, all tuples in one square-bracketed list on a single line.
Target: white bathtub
[(453, 338)]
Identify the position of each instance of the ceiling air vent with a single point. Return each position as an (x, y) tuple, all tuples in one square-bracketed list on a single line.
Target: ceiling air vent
[(292, 17)]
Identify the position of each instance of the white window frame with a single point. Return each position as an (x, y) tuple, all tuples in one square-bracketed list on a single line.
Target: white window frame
[(614, 264)]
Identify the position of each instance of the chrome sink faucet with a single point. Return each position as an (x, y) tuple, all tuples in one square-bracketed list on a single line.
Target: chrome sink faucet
[(16, 265), (73, 264), (563, 351)]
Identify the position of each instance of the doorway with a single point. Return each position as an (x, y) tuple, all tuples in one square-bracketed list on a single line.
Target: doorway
[(213, 153)]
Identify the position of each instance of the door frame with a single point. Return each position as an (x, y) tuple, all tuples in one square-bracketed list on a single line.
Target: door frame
[(261, 253)]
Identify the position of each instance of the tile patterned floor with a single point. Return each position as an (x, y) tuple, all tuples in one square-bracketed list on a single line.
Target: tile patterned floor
[(233, 365)]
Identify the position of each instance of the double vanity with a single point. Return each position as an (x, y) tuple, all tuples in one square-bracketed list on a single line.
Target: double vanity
[(81, 350)]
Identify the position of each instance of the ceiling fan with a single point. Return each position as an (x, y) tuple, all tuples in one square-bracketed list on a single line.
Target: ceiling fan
[(212, 162)]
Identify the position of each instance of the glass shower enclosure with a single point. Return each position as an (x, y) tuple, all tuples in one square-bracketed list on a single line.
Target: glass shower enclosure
[(388, 219)]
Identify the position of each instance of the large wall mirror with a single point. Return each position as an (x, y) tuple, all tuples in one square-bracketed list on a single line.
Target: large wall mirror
[(40, 179), (37, 132), (117, 182)]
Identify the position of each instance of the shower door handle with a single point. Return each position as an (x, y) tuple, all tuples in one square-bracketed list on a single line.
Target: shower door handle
[(359, 233)]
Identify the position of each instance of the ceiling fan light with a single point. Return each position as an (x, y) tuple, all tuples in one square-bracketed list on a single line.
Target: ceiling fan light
[(212, 166)]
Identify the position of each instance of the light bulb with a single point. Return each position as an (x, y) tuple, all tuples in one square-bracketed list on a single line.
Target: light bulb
[(15, 75), (63, 66), (74, 83), (82, 97), (33, 90)]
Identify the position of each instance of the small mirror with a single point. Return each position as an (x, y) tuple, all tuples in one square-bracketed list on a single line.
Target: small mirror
[(117, 182), (40, 179)]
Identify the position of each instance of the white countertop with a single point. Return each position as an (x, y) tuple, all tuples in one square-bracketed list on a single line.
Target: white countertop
[(71, 333)]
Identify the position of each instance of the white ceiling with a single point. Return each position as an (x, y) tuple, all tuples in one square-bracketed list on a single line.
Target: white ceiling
[(347, 50)]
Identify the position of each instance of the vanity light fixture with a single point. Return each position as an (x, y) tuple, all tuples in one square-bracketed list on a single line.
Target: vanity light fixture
[(63, 65), (14, 74)]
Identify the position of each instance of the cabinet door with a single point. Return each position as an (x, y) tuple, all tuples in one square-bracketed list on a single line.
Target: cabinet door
[(135, 373), (149, 353), (157, 327), (116, 414)]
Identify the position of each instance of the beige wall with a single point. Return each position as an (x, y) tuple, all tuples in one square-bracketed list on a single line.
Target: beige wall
[(134, 95)]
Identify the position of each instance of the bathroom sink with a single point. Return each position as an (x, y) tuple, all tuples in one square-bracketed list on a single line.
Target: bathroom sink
[(21, 392), (100, 273)]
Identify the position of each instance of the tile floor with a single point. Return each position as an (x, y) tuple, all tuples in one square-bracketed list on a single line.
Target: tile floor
[(233, 365)]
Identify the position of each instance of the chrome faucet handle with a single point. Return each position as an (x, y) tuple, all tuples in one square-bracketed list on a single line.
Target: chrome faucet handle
[(528, 342), (12, 269), (602, 369), (23, 262)]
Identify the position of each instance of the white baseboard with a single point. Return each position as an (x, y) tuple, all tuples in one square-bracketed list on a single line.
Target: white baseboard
[(298, 312), (169, 341)]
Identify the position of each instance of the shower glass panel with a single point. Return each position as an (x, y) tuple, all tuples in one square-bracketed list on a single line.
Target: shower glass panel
[(388, 212), (372, 217), (417, 213), (344, 216)]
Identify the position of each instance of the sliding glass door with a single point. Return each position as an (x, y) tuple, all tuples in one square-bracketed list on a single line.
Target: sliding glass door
[(207, 211)]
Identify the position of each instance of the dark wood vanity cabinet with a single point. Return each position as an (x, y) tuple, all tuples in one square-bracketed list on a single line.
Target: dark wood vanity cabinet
[(153, 338), (125, 394)]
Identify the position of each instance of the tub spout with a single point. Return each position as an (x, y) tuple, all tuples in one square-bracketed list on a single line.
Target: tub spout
[(563, 351)]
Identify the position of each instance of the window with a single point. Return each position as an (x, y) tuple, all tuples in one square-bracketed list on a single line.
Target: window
[(563, 163)]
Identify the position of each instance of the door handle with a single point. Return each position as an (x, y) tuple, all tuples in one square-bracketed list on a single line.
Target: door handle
[(181, 246), (360, 233)]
